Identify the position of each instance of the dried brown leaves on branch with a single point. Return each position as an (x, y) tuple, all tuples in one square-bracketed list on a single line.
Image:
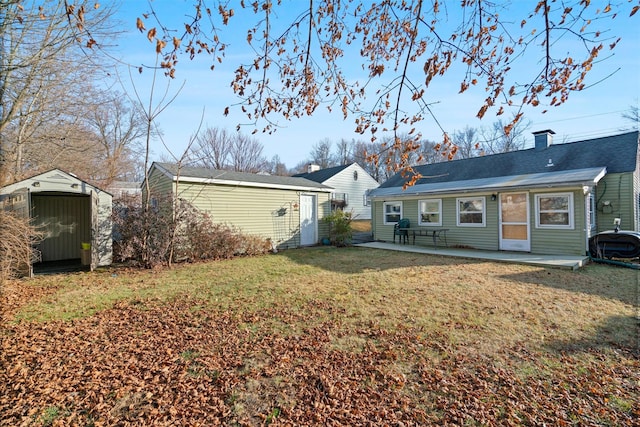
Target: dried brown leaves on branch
[(376, 62)]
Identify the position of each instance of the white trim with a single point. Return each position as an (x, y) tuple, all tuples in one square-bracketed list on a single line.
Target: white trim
[(472, 224), (252, 184), (236, 183), (426, 223), (547, 180), (570, 211), (384, 212)]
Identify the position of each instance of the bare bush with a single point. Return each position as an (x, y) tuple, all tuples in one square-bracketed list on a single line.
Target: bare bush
[(176, 232), (204, 239), (142, 235), (17, 239)]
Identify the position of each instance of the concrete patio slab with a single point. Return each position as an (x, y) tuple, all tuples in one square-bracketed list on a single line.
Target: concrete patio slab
[(559, 261)]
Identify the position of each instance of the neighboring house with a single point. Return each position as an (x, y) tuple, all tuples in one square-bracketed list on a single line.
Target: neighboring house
[(351, 184), (121, 189), (69, 211), (548, 200), (284, 209)]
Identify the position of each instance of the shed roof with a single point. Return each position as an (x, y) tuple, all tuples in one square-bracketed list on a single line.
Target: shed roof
[(616, 153), (224, 177), (54, 180)]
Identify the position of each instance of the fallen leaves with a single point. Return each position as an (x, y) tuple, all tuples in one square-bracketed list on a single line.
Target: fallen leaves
[(185, 363)]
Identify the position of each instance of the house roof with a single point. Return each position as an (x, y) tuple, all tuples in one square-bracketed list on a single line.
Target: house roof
[(215, 176), (323, 174), (576, 177), (616, 153), (52, 180)]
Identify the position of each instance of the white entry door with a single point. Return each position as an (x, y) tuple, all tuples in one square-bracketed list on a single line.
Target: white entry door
[(308, 220), (514, 222)]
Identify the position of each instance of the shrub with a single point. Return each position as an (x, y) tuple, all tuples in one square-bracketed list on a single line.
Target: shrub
[(17, 239), (340, 231), (162, 235)]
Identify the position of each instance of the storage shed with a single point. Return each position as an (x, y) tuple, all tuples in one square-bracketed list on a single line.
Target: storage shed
[(75, 217)]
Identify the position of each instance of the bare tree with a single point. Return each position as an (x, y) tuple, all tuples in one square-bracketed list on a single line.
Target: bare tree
[(276, 167), (501, 137), (43, 75), (343, 152), (246, 154), (321, 154), (213, 148), (217, 148), (404, 45), (632, 115), (119, 128), (467, 142)]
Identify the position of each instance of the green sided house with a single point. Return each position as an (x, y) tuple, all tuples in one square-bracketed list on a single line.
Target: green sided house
[(546, 200), (287, 210)]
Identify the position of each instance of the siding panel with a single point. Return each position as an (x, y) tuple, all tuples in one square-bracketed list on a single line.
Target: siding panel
[(269, 213)]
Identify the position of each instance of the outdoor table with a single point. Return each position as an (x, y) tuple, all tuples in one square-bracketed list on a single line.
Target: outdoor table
[(435, 233)]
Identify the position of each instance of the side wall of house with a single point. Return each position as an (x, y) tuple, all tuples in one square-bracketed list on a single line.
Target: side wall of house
[(558, 241), (266, 212), (617, 197), (344, 182), (472, 237), (543, 240)]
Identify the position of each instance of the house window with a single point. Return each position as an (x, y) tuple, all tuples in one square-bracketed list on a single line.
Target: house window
[(355, 175), (591, 211), (471, 211), (392, 212), (430, 212), (366, 198), (554, 210)]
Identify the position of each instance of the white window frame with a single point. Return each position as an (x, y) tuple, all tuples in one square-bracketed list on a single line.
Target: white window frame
[(366, 199), (384, 212), (439, 212), (570, 211), (591, 211), (471, 224)]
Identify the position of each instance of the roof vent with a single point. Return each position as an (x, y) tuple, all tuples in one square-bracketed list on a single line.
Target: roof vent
[(549, 164), (543, 138)]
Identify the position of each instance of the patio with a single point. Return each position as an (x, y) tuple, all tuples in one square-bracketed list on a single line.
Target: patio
[(572, 262)]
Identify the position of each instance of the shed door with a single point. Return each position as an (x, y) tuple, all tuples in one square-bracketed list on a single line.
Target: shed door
[(514, 222), (308, 220)]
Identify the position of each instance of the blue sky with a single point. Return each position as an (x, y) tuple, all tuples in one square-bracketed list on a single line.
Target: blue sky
[(594, 112)]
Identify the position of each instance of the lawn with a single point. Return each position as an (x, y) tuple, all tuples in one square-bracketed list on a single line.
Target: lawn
[(323, 336)]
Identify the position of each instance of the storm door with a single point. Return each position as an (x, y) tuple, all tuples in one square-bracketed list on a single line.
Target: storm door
[(514, 222)]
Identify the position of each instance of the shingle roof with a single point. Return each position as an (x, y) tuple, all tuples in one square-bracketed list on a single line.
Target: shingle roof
[(323, 174), (618, 153), (200, 173)]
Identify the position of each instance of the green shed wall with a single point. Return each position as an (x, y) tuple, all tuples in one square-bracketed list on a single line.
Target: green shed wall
[(253, 210)]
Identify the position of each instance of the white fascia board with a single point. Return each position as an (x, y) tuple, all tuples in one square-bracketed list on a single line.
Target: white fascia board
[(572, 178), (251, 184)]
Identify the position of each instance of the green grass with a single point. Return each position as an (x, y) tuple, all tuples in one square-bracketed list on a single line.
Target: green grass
[(425, 328)]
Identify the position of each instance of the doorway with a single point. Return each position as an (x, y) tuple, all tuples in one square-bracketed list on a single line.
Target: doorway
[(514, 222)]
